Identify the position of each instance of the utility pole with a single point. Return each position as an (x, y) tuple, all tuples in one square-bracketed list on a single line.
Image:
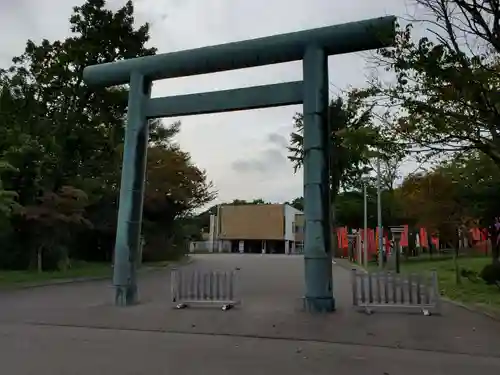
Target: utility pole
[(365, 237), (217, 231), (379, 219)]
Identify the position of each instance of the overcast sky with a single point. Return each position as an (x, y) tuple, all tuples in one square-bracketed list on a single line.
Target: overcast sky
[(244, 153)]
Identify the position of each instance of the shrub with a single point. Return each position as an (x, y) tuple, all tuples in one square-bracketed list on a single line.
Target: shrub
[(469, 274), (491, 274)]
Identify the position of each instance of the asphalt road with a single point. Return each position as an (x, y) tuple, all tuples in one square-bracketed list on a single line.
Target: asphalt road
[(74, 329)]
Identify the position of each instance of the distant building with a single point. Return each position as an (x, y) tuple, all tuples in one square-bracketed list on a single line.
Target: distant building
[(254, 228)]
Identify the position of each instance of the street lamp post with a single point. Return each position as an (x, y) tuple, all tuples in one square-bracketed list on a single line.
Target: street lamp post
[(365, 235), (379, 220)]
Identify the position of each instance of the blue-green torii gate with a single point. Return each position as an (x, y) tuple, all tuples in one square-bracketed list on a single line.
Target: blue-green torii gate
[(313, 47)]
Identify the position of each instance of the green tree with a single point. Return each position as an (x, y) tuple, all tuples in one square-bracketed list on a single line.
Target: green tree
[(50, 224), (390, 172), (457, 194), (446, 82), (454, 197), (64, 142), (354, 141), (78, 127), (350, 126), (175, 187), (297, 203), (59, 133), (8, 204)]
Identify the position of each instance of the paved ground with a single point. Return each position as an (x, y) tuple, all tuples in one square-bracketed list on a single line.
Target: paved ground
[(74, 329)]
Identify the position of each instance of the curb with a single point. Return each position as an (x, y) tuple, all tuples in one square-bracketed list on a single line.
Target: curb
[(472, 308), (345, 264), (76, 280)]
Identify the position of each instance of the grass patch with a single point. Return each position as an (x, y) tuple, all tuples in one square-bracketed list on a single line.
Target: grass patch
[(78, 269), (471, 291)]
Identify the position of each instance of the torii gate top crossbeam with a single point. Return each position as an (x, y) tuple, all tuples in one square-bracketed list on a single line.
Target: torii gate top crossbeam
[(338, 39)]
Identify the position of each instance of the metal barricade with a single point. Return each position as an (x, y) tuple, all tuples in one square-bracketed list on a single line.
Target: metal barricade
[(194, 287), (396, 292)]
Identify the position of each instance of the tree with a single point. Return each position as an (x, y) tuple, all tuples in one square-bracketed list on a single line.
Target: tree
[(60, 133), (51, 221), (457, 194), (353, 139), (389, 166), (349, 207), (430, 198), (175, 187), (351, 135), (8, 204), (239, 202), (79, 126), (453, 197), (390, 170), (297, 203), (75, 128), (446, 83), (65, 140), (476, 178)]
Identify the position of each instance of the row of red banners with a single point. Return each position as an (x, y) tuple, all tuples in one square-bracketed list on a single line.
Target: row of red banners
[(478, 234), (478, 237), (372, 236)]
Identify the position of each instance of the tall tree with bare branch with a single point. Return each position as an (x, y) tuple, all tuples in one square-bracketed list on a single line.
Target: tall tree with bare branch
[(446, 87)]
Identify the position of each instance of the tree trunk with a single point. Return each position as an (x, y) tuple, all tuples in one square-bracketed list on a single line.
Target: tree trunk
[(458, 280), (39, 260), (495, 252), (64, 263)]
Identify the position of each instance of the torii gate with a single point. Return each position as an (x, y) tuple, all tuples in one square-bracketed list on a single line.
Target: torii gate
[(313, 47)]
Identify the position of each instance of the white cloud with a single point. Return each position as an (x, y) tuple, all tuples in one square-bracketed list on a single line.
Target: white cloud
[(222, 142)]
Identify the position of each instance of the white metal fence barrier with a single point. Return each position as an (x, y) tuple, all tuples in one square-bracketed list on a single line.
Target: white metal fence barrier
[(401, 292), (194, 287)]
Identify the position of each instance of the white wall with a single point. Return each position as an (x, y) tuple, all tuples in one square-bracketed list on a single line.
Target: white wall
[(211, 234), (210, 246), (290, 213)]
